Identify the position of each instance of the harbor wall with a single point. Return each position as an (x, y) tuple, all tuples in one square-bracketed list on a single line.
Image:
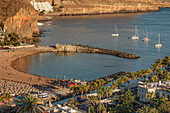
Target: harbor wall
[(87, 49)]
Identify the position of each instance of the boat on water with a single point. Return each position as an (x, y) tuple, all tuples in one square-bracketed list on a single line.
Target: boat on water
[(136, 36), (158, 45), (40, 24), (116, 31), (147, 36)]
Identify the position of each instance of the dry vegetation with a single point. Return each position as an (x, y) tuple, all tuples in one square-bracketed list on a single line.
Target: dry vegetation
[(9, 8)]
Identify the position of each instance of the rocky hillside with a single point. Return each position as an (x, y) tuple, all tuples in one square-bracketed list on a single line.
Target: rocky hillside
[(163, 3), (72, 7), (19, 16)]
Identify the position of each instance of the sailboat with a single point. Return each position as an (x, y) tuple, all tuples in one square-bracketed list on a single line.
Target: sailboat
[(116, 31), (158, 45), (147, 37), (136, 36)]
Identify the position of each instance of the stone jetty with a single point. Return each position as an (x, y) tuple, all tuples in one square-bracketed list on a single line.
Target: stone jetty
[(87, 49)]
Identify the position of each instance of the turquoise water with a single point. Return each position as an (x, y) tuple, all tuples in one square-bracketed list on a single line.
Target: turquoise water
[(96, 31)]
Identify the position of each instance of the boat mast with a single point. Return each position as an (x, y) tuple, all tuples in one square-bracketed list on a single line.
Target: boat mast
[(136, 31), (147, 34), (159, 39), (116, 31)]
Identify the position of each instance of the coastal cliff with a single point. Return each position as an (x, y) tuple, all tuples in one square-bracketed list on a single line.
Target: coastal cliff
[(19, 16), (80, 7)]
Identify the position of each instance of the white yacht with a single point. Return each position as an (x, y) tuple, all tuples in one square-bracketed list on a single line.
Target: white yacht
[(158, 45), (136, 36), (147, 36), (116, 31)]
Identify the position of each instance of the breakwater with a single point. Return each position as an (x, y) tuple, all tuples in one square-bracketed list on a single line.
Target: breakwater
[(87, 49)]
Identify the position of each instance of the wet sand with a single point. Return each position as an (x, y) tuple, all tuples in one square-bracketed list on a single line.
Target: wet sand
[(7, 71)]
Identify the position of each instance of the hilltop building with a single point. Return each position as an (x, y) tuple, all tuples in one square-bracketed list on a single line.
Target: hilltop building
[(42, 6), (160, 89)]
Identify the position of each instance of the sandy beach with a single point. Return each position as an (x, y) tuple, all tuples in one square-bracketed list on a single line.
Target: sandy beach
[(8, 72)]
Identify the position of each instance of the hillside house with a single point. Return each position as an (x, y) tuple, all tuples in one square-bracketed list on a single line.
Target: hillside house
[(160, 89)]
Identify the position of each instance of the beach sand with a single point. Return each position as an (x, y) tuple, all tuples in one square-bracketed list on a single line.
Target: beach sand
[(8, 72)]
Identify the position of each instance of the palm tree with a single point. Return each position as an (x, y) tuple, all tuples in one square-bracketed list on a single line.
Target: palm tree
[(148, 71), (153, 78), (95, 86), (128, 98), (147, 109), (100, 93), (82, 88), (137, 73), (126, 79), (163, 105), (166, 62), (91, 86), (166, 76), (91, 109), (163, 100), (155, 67), (102, 82), (121, 78), (93, 100), (87, 88), (72, 102), (85, 80), (104, 109), (30, 104), (118, 82), (7, 97), (159, 62), (159, 72), (142, 73), (108, 92), (114, 85), (73, 88), (150, 95), (132, 75), (1, 98), (77, 90)]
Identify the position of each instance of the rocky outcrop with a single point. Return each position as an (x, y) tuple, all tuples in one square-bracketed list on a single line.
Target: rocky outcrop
[(87, 49), (19, 16), (66, 48)]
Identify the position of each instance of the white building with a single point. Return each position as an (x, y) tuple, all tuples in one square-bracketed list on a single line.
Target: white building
[(40, 6), (160, 89)]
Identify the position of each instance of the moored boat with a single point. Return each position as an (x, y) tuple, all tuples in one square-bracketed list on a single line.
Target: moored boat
[(136, 36)]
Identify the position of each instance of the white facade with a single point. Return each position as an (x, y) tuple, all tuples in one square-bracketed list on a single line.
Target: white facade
[(40, 6), (160, 89)]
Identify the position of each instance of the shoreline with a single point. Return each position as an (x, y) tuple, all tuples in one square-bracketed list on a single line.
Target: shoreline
[(93, 14), (15, 67), (16, 75), (9, 71)]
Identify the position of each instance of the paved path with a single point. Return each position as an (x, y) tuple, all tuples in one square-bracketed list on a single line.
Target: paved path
[(59, 92)]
